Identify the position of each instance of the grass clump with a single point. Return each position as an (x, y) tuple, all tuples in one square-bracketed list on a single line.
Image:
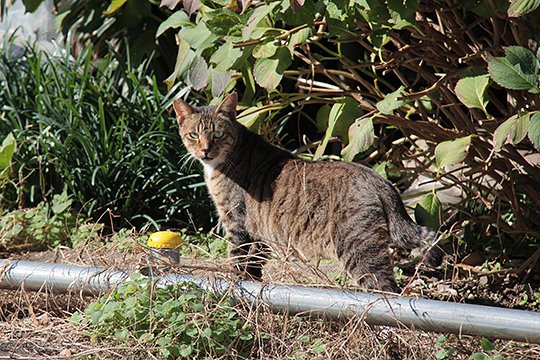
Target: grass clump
[(176, 321)]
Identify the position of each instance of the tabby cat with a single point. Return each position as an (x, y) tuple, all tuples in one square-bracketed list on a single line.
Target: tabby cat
[(266, 196)]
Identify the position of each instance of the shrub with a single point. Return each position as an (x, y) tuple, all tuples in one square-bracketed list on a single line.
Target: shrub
[(101, 129), (180, 320)]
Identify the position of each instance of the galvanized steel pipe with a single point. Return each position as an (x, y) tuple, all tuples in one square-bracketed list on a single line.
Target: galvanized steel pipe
[(376, 309)]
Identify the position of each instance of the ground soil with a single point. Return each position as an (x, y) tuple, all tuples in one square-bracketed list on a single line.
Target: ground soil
[(36, 325)]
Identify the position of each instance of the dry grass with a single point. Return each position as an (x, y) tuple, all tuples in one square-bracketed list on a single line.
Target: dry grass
[(36, 325)]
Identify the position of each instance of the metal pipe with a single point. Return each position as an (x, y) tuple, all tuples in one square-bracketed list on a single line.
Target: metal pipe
[(376, 309)]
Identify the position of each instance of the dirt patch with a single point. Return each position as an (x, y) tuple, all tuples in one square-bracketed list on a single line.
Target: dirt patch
[(37, 324)]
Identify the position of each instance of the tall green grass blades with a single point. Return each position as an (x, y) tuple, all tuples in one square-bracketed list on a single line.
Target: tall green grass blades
[(104, 132)]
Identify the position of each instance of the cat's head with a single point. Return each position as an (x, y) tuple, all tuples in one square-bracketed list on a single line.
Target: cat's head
[(209, 132)]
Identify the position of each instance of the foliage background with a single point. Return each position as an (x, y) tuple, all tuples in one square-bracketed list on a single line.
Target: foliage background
[(443, 89)]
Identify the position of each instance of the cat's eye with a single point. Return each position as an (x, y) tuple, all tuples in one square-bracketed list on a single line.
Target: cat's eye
[(193, 135), (219, 135)]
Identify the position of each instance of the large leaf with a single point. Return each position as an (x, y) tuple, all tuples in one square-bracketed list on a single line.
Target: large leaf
[(191, 6), (220, 80), (391, 101), (225, 56), (224, 22), (511, 131), (471, 91), (198, 73), (179, 18), (263, 51), (452, 151), (269, 72), (337, 121), (428, 212), (256, 17), (516, 71), (534, 130), (183, 60), (521, 7), (361, 137), (524, 57)]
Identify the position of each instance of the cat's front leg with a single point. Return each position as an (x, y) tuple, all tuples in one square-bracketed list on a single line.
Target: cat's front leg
[(246, 253)]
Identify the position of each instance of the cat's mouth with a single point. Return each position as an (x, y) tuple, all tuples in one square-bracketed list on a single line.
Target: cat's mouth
[(207, 158)]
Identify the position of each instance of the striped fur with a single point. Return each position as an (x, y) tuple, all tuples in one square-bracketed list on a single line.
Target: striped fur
[(266, 197)]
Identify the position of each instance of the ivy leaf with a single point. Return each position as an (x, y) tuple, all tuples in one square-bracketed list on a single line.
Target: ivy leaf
[(391, 102), (428, 212), (198, 73), (452, 151), (361, 137), (471, 91), (521, 7), (534, 130), (179, 18), (269, 72), (511, 131)]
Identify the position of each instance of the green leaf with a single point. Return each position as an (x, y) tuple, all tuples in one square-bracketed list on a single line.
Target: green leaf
[(391, 102), (452, 151), (31, 5), (179, 18), (114, 6), (361, 137), (516, 71), (256, 17), (224, 22), (479, 356), (524, 57), (511, 131), (487, 345), (428, 211), (472, 91), (521, 7), (198, 37), (269, 72), (6, 153), (381, 167), (534, 130), (225, 56), (298, 37), (264, 51), (220, 80), (183, 60), (249, 116), (402, 12)]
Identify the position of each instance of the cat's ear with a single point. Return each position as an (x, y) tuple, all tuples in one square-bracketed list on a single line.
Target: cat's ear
[(228, 106), (182, 110)]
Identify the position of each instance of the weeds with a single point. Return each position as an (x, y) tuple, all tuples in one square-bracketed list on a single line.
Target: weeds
[(180, 320)]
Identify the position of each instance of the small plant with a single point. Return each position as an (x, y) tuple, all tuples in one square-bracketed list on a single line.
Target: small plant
[(52, 224), (445, 352), (181, 321), (487, 352)]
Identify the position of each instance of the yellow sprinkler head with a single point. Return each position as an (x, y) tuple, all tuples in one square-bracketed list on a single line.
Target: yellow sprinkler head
[(164, 240)]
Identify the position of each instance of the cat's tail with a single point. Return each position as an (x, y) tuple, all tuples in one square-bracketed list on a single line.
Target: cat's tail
[(407, 234)]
